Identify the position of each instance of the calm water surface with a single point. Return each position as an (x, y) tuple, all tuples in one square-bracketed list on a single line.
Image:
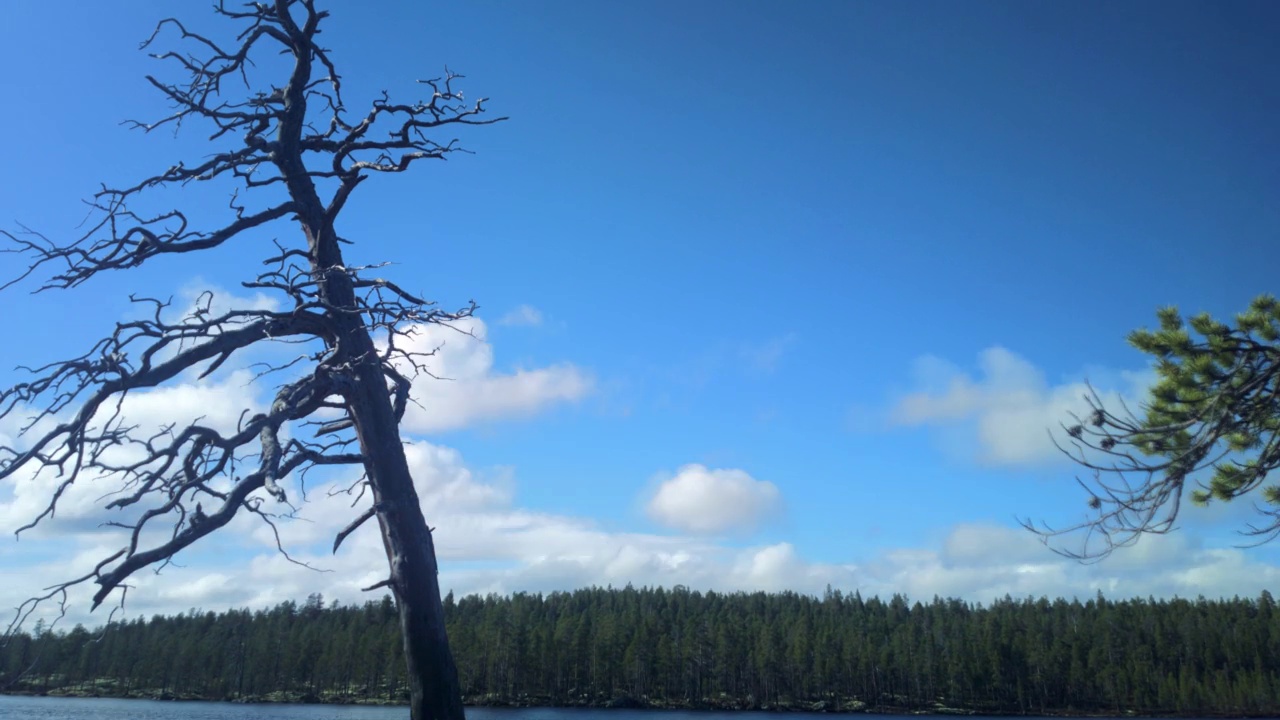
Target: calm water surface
[(36, 708), (46, 708)]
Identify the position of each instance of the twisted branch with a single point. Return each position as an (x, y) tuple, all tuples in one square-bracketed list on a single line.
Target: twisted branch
[(294, 135)]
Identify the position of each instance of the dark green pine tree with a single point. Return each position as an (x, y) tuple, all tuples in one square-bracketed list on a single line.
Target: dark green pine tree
[(679, 648), (1212, 411)]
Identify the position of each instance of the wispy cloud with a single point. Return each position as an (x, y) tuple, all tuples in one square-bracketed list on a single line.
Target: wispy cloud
[(764, 358), (488, 543), (467, 389), (1010, 404), (527, 315), (239, 566)]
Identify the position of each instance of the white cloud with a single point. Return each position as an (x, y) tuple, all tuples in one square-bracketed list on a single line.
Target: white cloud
[(486, 542), (216, 404), (239, 566), (974, 545), (982, 562), (699, 500), (469, 390), (764, 358), (214, 301), (523, 315), (1012, 407)]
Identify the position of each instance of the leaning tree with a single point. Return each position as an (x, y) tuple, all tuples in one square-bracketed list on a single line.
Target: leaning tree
[(1214, 411), (339, 403)]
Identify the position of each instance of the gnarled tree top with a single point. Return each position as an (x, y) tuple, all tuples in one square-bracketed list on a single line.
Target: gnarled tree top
[(298, 136)]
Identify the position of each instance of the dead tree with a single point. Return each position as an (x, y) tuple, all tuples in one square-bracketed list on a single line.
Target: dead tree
[(347, 392)]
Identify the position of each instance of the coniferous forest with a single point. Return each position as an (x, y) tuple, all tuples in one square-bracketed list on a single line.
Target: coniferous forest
[(680, 648)]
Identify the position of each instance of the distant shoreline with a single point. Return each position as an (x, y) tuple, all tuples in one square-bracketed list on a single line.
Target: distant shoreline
[(851, 707), (654, 648)]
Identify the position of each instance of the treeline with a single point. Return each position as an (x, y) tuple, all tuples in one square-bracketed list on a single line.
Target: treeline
[(679, 648)]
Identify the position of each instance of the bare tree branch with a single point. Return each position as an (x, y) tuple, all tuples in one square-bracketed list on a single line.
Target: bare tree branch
[(352, 526), (294, 136)]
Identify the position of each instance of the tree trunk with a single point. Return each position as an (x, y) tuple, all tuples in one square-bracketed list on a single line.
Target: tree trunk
[(433, 678), (147, 353), (434, 691)]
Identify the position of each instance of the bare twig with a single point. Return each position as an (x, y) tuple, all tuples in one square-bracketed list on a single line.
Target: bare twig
[(1218, 402), (190, 481)]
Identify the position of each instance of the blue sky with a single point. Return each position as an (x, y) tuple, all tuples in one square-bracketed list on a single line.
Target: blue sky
[(750, 234)]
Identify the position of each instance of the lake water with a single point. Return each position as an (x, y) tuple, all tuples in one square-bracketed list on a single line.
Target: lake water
[(38, 708), (47, 708)]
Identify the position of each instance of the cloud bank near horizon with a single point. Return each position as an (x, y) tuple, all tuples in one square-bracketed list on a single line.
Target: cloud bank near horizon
[(706, 520)]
